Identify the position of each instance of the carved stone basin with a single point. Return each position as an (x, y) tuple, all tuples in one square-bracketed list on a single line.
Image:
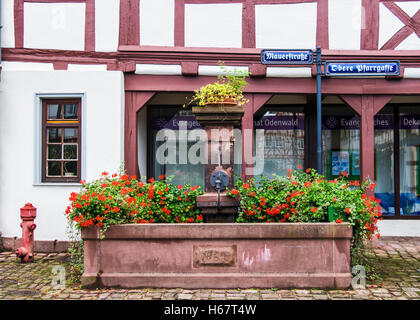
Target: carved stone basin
[(219, 255)]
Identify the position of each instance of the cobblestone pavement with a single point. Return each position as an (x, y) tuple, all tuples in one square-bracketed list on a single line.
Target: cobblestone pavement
[(395, 260)]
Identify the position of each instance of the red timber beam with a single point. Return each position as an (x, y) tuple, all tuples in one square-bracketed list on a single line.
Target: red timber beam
[(134, 101), (411, 25), (366, 107), (256, 101), (129, 22), (370, 25)]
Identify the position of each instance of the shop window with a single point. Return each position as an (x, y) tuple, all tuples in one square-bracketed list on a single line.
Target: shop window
[(283, 129), (175, 148), (384, 159), (409, 158), (61, 137), (340, 142)]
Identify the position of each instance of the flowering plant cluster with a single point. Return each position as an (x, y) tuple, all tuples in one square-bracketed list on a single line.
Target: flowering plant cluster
[(229, 87), (307, 196), (119, 198)]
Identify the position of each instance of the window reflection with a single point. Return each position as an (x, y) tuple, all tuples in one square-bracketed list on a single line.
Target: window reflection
[(284, 133), (409, 161)]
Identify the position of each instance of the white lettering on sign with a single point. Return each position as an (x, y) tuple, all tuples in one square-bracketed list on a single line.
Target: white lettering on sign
[(349, 123), (339, 67), (411, 122), (287, 56)]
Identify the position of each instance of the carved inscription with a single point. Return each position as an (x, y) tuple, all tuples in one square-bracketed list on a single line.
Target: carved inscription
[(214, 256)]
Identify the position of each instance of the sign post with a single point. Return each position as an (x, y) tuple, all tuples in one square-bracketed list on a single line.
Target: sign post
[(296, 56), (318, 110)]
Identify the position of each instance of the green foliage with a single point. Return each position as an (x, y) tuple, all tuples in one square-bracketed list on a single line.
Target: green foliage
[(75, 251), (305, 196), (229, 88), (119, 199)]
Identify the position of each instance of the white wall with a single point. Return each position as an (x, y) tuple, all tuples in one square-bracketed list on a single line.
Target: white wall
[(345, 23), (157, 22), (389, 24), (289, 26), (54, 25), (7, 18), (103, 134), (107, 25), (213, 25)]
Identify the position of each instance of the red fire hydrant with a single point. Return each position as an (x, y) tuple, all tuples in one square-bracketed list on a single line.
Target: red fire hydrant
[(26, 251)]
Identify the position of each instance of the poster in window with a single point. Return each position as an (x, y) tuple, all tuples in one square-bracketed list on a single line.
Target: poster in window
[(340, 162), (355, 163)]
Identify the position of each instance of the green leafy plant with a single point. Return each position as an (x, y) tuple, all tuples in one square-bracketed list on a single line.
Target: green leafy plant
[(228, 88), (119, 198), (306, 196)]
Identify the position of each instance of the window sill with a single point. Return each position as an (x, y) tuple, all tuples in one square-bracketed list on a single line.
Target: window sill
[(57, 184)]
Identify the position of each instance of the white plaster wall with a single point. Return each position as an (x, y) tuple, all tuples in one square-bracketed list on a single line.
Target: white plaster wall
[(344, 24), (213, 25), (7, 21), (157, 22), (389, 24), (285, 72), (398, 228), (26, 66), (107, 25), (54, 25), (289, 26), (410, 8), (215, 71), (103, 123), (411, 43), (159, 69)]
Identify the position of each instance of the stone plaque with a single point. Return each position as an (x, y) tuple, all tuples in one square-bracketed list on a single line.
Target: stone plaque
[(214, 256)]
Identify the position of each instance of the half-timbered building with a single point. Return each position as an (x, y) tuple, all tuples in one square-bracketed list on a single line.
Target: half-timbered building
[(87, 84)]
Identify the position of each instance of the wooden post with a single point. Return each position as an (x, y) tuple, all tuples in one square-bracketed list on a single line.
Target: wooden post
[(134, 101), (366, 107)]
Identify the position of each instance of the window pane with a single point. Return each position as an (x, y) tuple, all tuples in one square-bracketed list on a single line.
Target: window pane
[(384, 160), (70, 135), (54, 135), (54, 151), (53, 168), (284, 133), (54, 111), (70, 168), (70, 111), (410, 160), (166, 145), (340, 142), (70, 151)]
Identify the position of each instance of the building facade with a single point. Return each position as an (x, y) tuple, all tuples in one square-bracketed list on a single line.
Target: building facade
[(88, 84)]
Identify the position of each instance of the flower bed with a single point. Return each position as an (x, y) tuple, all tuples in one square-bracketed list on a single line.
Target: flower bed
[(306, 196), (119, 199)]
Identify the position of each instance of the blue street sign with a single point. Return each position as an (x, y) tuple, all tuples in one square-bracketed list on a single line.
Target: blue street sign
[(362, 68), (275, 56)]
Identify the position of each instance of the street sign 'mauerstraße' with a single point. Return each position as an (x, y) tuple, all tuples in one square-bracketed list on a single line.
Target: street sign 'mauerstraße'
[(273, 56)]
